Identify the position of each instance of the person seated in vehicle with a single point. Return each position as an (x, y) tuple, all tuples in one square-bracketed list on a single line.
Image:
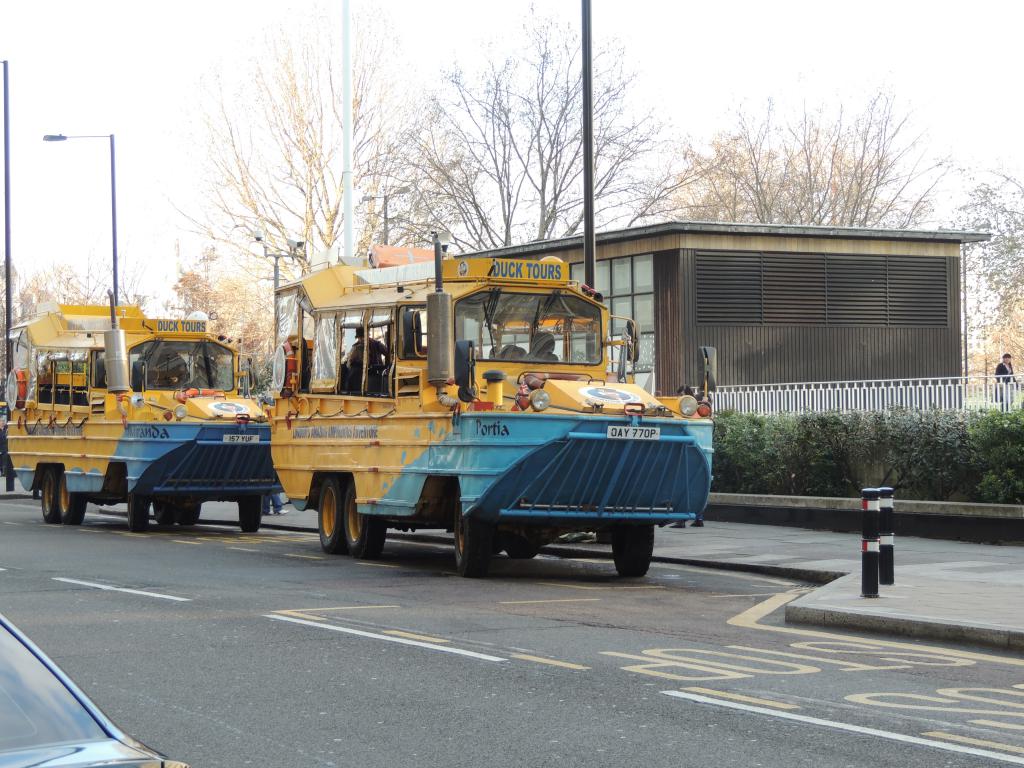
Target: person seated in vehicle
[(374, 354), (542, 347), (171, 372)]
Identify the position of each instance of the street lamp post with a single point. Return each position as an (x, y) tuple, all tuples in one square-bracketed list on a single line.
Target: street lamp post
[(385, 197), (294, 247), (113, 192)]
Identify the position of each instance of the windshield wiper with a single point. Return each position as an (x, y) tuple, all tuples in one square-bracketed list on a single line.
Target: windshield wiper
[(489, 306)]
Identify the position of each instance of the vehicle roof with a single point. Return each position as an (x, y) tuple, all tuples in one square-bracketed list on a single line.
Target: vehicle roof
[(340, 286), (72, 326)]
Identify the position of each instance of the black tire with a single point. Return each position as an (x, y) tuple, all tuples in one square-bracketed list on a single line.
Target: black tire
[(520, 547), (49, 489), (250, 513), (364, 534), (138, 512), (331, 519), (188, 514), (474, 542), (71, 505), (165, 512), (632, 548)]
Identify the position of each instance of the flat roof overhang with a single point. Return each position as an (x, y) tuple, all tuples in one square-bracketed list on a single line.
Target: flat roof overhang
[(575, 242)]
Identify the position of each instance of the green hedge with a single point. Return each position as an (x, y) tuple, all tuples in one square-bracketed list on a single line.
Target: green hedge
[(939, 455)]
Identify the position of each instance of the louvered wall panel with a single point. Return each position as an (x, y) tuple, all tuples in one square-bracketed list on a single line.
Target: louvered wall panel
[(794, 289), (918, 291), (856, 290), (728, 288), (772, 354), (778, 352)]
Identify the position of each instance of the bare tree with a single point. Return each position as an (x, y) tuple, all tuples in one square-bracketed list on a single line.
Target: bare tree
[(274, 145), (867, 170), (230, 299), (501, 159), (83, 283), (996, 205)]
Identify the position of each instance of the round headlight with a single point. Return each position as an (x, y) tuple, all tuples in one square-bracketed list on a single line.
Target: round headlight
[(539, 399), (687, 405), (180, 412)]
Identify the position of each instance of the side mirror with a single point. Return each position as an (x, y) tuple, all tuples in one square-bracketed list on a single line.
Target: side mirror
[(633, 334), (710, 356), (465, 370), (139, 376), (245, 378)]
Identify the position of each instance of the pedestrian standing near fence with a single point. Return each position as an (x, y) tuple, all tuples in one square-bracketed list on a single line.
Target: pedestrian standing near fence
[(1006, 383)]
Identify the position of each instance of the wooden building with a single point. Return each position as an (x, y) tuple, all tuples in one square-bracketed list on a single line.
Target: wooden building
[(781, 303)]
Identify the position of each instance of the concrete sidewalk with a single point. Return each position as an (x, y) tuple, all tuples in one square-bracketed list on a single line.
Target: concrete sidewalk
[(946, 590)]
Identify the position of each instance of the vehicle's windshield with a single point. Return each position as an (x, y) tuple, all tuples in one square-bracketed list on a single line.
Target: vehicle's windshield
[(554, 327), (182, 365), (35, 707)]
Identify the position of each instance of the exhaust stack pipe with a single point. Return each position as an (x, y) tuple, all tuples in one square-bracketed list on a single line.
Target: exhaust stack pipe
[(115, 352)]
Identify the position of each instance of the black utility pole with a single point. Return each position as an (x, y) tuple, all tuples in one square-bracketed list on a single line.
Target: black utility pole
[(7, 467), (589, 241), (7, 233)]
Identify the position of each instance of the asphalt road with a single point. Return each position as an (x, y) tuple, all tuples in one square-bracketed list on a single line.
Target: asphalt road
[(233, 649)]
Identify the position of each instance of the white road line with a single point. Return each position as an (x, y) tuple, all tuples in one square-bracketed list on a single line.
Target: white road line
[(916, 740), (389, 638), (109, 588)]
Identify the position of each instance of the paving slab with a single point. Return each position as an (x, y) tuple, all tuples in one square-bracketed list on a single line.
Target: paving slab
[(926, 601)]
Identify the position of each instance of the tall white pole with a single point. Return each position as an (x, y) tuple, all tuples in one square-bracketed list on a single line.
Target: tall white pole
[(346, 97)]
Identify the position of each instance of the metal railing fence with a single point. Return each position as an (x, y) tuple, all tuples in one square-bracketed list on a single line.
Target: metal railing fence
[(953, 393)]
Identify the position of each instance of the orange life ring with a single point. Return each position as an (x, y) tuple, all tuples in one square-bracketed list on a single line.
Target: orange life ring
[(22, 378), (291, 367)]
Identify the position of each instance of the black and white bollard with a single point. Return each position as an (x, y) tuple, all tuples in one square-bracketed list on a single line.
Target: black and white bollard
[(869, 543), (886, 537)]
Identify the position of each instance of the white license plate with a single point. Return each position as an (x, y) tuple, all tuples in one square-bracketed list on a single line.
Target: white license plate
[(634, 433), (241, 438)]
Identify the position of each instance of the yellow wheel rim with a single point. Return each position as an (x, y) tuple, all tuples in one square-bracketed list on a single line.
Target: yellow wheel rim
[(328, 509), (65, 497), (48, 491), (354, 521)]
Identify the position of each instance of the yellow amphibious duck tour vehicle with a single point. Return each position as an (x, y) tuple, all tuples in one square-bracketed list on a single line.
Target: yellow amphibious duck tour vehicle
[(119, 407), (481, 399)]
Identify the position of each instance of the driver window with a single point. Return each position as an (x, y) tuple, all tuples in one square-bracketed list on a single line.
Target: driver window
[(379, 358), (350, 332), (44, 379), (306, 351), (79, 378)]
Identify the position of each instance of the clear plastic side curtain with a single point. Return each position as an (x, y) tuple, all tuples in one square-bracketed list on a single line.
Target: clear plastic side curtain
[(325, 353), (287, 317)]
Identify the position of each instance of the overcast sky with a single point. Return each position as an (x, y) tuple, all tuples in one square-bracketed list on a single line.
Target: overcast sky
[(133, 68)]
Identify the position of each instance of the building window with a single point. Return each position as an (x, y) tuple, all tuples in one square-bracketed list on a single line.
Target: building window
[(627, 284)]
